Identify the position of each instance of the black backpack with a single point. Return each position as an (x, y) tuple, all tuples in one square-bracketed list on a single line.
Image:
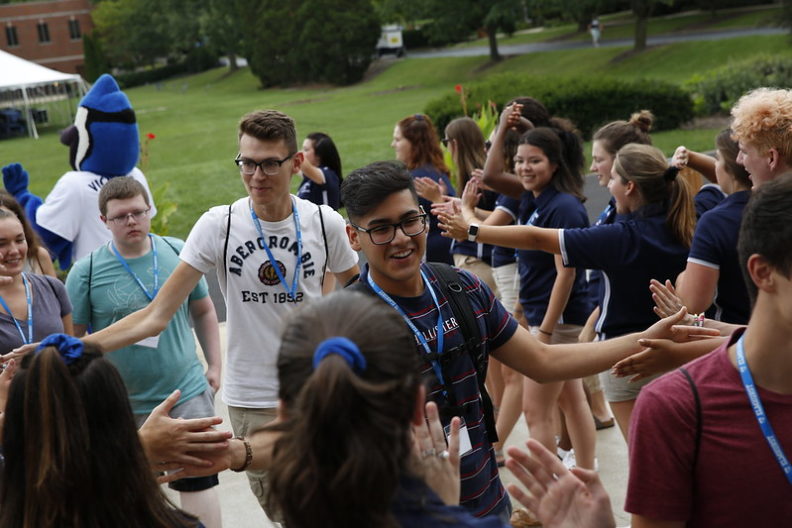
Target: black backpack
[(451, 287)]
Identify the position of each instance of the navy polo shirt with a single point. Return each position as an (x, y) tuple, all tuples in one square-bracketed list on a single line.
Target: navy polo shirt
[(475, 249), (328, 193), (594, 277), (715, 246), (635, 248), (501, 256), (482, 492), (438, 247), (708, 196), (537, 269)]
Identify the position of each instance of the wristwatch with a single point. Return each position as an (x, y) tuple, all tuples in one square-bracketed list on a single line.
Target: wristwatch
[(473, 232)]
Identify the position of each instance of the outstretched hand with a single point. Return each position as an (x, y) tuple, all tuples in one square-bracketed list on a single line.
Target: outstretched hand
[(429, 189), (559, 498), (450, 205), (172, 440), (673, 328), (454, 226), (435, 461), (667, 302)]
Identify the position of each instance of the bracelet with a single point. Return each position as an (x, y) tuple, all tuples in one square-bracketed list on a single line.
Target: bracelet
[(248, 455), (698, 320), (544, 332)]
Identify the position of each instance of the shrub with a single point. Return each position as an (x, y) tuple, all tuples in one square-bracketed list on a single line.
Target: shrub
[(717, 90), (588, 101)]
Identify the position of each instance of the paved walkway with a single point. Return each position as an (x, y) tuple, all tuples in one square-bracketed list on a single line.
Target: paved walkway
[(521, 49)]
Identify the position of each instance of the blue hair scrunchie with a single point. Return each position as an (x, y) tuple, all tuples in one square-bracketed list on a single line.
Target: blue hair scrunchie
[(70, 348), (344, 347)]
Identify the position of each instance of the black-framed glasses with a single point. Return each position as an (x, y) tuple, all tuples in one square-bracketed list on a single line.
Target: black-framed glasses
[(445, 141), (385, 233), (269, 166), (124, 218)]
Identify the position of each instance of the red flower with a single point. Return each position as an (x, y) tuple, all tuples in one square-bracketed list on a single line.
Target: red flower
[(458, 88), (150, 136)]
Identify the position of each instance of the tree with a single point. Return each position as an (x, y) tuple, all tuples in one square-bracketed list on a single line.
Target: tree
[(95, 61), (454, 20), (220, 26), (642, 9), (293, 41)]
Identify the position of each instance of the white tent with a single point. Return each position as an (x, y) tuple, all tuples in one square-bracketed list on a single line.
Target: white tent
[(30, 83)]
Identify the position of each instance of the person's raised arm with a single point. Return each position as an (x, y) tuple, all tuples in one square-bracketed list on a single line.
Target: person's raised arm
[(313, 173), (152, 319), (695, 160), (495, 175), (207, 330), (696, 286)]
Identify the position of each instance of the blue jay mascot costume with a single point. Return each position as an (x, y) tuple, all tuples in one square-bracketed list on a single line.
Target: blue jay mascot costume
[(103, 143)]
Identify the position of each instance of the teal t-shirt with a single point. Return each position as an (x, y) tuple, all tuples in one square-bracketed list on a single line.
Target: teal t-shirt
[(111, 293)]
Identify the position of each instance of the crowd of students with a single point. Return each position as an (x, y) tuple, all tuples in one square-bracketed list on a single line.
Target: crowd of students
[(388, 403)]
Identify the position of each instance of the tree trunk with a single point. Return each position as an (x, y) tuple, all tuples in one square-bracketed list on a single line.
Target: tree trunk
[(641, 29), (492, 36), (232, 62)]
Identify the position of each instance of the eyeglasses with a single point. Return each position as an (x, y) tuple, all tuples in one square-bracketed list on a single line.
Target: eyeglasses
[(270, 166), (445, 141), (384, 234), (136, 215)]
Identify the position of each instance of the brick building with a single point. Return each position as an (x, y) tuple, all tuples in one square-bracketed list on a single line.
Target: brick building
[(48, 33)]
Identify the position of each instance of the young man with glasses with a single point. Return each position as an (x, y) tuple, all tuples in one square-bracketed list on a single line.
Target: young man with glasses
[(123, 276), (388, 226), (269, 250)]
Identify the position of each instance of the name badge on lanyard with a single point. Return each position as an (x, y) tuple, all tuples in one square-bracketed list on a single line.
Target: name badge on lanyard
[(759, 412), (291, 289), (29, 339), (153, 341), (465, 446)]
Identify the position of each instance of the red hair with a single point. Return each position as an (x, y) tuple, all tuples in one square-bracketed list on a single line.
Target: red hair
[(420, 132)]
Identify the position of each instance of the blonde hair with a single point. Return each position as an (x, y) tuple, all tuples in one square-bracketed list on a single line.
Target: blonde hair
[(763, 118), (646, 166)]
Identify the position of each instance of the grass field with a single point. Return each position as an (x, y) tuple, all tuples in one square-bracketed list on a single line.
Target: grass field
[(194, 118)]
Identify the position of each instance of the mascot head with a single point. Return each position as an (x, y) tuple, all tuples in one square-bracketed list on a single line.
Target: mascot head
[(104, 138)]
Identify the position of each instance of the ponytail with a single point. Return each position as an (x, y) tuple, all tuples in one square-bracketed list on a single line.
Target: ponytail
[(346, 440), (681, 211), (658, 183)]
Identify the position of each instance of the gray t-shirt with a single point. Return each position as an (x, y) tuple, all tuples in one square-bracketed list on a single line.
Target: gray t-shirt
[(50, 304)]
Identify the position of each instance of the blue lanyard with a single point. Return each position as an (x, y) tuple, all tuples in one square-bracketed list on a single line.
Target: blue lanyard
[(29, 313), (604, 214), (758, 409), (291, 290), (418, 334), (155, 269)]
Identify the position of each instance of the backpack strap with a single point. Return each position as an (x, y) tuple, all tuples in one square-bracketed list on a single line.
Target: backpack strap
[(326, 250), (171, 245), (451, 286), (699, 425), (225, 246)]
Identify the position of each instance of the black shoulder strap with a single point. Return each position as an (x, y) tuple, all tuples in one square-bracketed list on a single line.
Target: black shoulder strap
[(171, 245), (452, 288), (326, 250), (225, 246), (699, 425)]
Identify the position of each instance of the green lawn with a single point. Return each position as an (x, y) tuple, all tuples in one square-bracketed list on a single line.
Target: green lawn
[(194, 118)]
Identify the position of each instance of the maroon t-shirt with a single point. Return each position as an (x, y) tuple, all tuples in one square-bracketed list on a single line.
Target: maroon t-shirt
[(737, 480)]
